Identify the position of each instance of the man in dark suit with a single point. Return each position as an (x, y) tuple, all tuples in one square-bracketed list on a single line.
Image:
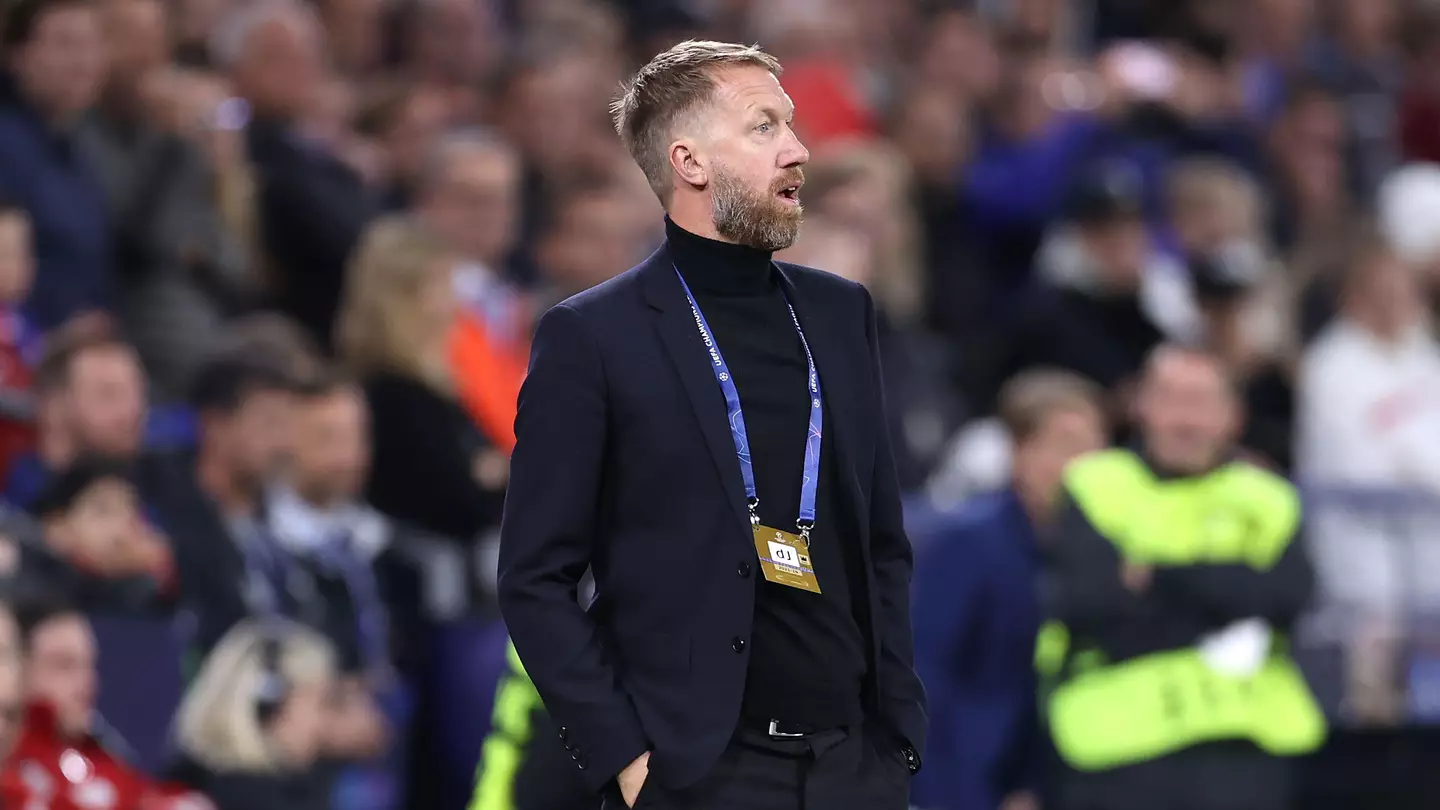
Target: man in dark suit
[(749, 645)]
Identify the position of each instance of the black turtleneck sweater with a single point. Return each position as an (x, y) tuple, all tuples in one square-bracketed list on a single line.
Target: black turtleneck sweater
[(807, 651)]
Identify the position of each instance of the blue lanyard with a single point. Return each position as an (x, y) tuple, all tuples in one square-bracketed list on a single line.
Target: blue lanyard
[(810, 483)]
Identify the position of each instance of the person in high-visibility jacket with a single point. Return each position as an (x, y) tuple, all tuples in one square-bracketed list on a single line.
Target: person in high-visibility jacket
[(1171, 588), (523, 766)]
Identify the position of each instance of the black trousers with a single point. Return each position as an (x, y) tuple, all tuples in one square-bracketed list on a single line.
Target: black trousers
[(841, 769), (1220, 776)]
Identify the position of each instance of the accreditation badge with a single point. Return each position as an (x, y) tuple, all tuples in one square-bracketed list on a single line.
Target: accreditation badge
[(785, 559)]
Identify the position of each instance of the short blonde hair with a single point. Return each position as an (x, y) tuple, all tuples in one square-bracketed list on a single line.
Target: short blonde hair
[(672, 85), (380, 327), (1032, 396), (217, 724)]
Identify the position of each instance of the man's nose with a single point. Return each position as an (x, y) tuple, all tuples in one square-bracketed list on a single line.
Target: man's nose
[(794, 152)]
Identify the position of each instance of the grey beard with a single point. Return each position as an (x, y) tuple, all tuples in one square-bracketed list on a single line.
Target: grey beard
[(747, 219)]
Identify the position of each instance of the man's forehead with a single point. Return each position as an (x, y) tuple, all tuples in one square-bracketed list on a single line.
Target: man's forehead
[(751, 86)]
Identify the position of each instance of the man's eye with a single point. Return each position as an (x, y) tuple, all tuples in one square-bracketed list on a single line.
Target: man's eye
[(763, 127)]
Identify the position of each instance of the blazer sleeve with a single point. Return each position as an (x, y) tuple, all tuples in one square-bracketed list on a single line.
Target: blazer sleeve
[(902, 697), (546, 543)]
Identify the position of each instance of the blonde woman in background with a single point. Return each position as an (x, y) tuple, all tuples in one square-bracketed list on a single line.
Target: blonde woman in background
[(433, 468), (252, 728)]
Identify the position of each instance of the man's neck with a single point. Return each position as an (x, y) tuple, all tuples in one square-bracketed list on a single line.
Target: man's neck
[(694, 216)]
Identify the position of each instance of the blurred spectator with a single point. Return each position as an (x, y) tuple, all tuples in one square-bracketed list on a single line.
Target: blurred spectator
[(55, 67), (1369, 419), (20, 342), (313, 207), (210, 500), (433, 467), (589, 237), (95, 547), (251, 732), (1106, 295), (405, 119), (1307, 146), (469, 195), (1359, 59), (1217, 216), (976, 610), (363, 562), (90, 399), (179, 262), (1172, 565), (67, 758)]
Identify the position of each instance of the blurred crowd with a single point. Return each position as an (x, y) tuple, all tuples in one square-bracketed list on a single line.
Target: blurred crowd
[(268, 271)]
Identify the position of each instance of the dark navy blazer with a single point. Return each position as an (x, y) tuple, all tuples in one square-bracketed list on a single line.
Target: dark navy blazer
[(624, 463)]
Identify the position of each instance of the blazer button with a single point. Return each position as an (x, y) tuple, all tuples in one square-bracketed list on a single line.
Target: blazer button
[(743, 569), (564, 734), (737, 644)]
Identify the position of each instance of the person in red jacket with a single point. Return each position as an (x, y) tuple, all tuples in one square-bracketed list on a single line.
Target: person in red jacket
[(60, 762)]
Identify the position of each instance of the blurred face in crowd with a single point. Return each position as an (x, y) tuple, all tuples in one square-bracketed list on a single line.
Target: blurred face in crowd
[(1067, 431), (550, 115), (136, 35), (933, 134), (281, 66), (103, 405), (1385, 296), (475, 202), (1368, 24), (17, 256), (12, 684), (255, 440), (62, 67), (421, 119), (61, 670), (332, 446), (1308, 143), (750, 160), (101, 521), (1117, 249), (1188, 412), (450, 40), (593, 239), (960, 57), (354, 29)]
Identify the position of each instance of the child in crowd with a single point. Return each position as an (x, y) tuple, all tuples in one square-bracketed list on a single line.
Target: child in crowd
[(95, 545)]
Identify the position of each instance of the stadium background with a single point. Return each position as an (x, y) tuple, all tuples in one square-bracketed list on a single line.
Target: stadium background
[(227, 191)]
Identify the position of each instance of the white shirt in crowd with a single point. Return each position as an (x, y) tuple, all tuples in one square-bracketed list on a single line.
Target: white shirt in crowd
[(1368, 447)]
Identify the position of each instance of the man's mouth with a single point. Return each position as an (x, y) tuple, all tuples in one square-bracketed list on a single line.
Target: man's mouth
[(790, 194)]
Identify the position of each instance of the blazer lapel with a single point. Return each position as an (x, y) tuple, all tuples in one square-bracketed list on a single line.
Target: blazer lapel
[(678, 333)]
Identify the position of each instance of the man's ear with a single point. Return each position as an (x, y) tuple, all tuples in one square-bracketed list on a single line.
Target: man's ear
[(686, 161)]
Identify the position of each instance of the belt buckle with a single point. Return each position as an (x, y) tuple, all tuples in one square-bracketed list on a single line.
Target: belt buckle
[(775, 731)]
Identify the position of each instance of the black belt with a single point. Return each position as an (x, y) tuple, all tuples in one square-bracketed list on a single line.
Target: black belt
[(781, 729)]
